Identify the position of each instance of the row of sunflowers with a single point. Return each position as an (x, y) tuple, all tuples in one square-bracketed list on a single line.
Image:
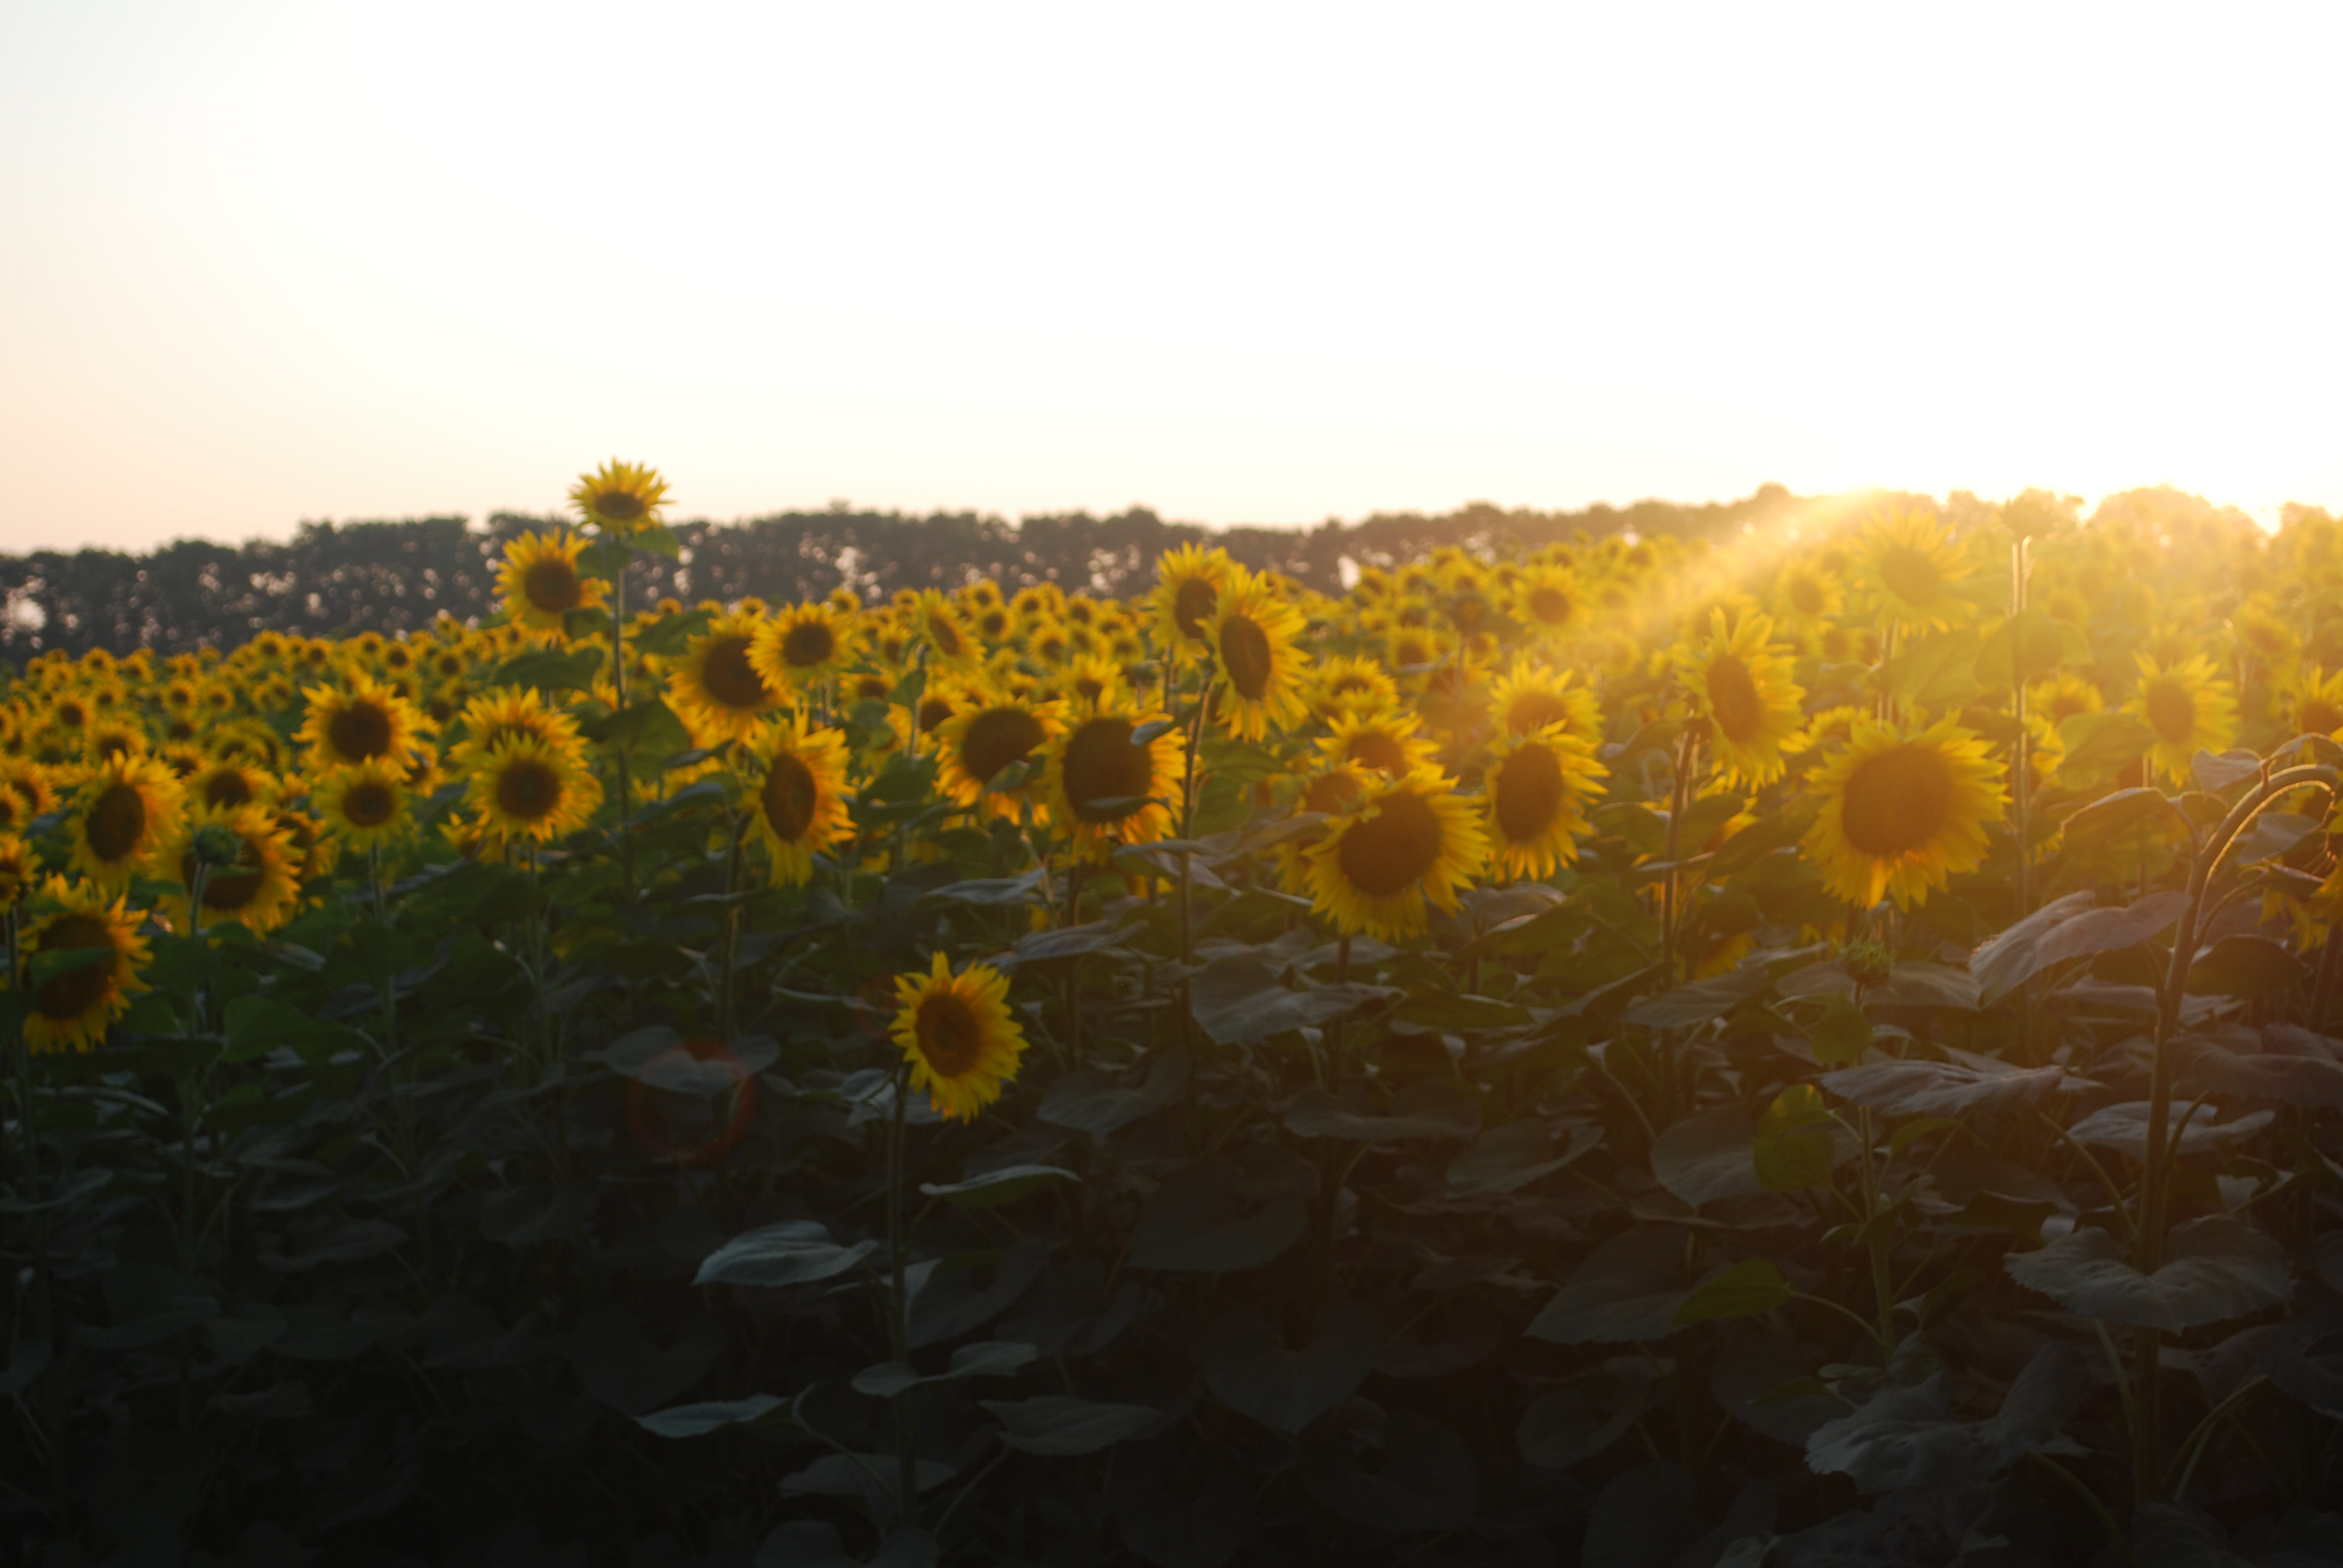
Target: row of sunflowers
[(1525, 1054)]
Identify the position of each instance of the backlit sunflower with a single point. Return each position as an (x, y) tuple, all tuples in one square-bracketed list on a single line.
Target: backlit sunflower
[(123, 810), (1091, 682), (1532, 696), (1259, 669), (1546, 598), (797, 799), (2312, 704), (1187, 583), (1909, 567), (1407, 843), (803, 645), (539, 582), (1902, 813), (258, 888), (2190, 709), (1329, 792), (364, 805), (1806, 594), (1388, 743), (985, 736), (72, 1007), (1103, 788), (1345, 683), (716, 687), (956, 1031), (1537, 790), (622, 500), (525, 789), (504, 712), (2061, 696), (359, 725), (1739, 681)]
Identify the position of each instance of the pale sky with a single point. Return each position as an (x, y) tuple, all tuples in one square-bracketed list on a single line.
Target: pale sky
[(1242, 264)]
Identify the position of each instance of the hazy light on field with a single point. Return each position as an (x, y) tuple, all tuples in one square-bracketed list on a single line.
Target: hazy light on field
[(1240, 264)]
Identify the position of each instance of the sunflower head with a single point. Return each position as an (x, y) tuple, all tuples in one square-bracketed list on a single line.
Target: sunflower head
[(365, 804), (1258, 666), (526, 790), (1902, 813), (717, 686), (938, 623), (1105, 784), (2190, 709), (1187, 583), (797, 794), (18, 868), (958, 1036), (1405, 844), (621, 499), (539, 582), (81, 958), (990, 734), (366, 720), (1739, 681), (805, 643), (244, 862), (1910, 567), (1546, 599), (1389, 743), (1538, 787), (1531, 695), (125, 809)]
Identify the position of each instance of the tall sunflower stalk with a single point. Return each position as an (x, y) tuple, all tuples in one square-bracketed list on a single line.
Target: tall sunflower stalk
[(623, 501)]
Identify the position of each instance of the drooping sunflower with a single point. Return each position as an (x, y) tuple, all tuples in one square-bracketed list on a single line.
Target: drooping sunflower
[(1105, 787), (1258, 672), (1909, 567), (1546, 598), (797, 796), (2190, 709), (1187, 583), (804, 644), (539, 581), (367, 721), (71, 1009), (716, 687), (1902, 813), (123, 812), (622, 500), (985, 736), (1388, 743), (525, 789), (1538, 788), (364, 805), (1406, 843), (1740, 681), (956, 1031), (1532, 696), (257, 888)]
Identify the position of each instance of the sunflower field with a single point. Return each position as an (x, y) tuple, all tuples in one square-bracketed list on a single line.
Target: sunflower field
[(1806, 1051)]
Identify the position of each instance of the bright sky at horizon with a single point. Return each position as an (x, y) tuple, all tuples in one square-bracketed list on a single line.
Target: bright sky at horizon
[(260, 263)]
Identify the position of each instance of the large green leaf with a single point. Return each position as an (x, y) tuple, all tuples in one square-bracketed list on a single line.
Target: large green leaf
[(793, 1253), (2216, 1268)]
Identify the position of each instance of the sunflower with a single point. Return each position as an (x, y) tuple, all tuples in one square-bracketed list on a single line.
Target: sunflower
[(1385, 743), (2063, 696), (1329, 792), (1909, 567), (503, 713), (24, 793), (125, 810), (798, 804), (525, 789), (217, 783), (985, 736), (1103, 784), (315, 851), (1258, 673), (937, 621), (959, 1036), (364, 805), (18, 867), (804, 644), (71, 1009), (1538, 788), (1346, 683), (1532, 696), (622, 500), (1091, 682), (539, 582), (2189, 708), (258, 887), (1405, 843), (1901, 813), (1806, 593), (1187, 583), (1739, 681), (367, 721), (716, 687), (2313, 703), (1546, 598)]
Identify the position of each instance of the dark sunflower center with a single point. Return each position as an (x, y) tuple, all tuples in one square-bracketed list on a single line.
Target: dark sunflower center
[(1192, 603), (179, 729), (72, 715), (74, 992), (789, 797), (1897, 801), (1549, 605), (1408, 651), (116, 822), (360, 731), (807, 644), (551, 586), (2320, 717), (944, 636), (1910, 575), (948, 1032), (369, 803), (997, 738), (1379, 749), (1528, 791), (618, 506), (226, 887), (1331, 794), (1733, 698), (1245, 655), (2171, 711), (1805, 596), (1088, 688), (728, 676), (871, 688), (932, 712), (993, 623), (1391, 852), (528, 790), (113, 743), (1101, 764), (227, 786)]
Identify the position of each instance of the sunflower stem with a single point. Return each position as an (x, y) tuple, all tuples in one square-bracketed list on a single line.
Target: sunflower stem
[(731, 928), (618, 687), (898, 1305)]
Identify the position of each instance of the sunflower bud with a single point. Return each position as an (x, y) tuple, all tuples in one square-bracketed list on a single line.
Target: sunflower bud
[(215, 845), (1867, 962)]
